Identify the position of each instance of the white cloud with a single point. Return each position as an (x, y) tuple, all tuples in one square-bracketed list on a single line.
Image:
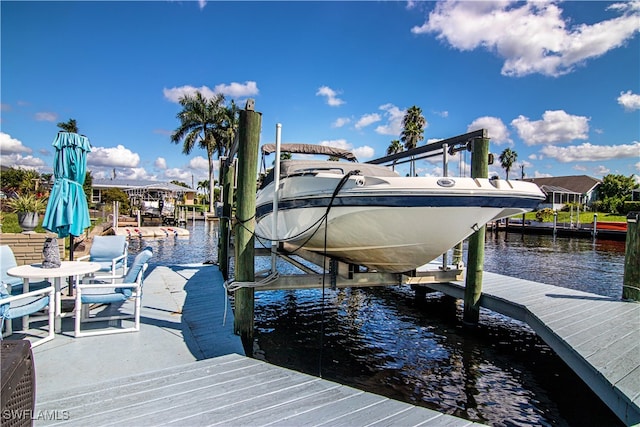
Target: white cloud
[(160, 163), (9, 145), (630, 101), (202, 4), (367, 120), (199, 163), (45, 116), (394, 116), (361, 153), (496, 129), (233, 90), (178, 174), (331, 95), (340, 122), (555, 126), (531, 37), (238, 90), (364, 152), (113, 157), (24, 162), (602, 170), (589, 152)]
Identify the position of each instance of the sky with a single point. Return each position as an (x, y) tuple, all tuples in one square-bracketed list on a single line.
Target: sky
[(556, 82)]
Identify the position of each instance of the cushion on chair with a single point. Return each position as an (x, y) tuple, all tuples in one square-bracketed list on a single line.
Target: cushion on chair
[(23, 307), (105, 248), (28, 306), (135, 269), (4, 308), (7, 261), (102, 296)]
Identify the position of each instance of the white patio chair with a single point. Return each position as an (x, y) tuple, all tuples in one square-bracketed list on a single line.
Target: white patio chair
[(27, 304), (88, 294)]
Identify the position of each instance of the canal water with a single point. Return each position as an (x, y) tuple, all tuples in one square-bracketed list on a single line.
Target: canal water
[(384, 341)]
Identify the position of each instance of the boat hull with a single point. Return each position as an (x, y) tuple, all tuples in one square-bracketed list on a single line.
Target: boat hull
[(386, 224)]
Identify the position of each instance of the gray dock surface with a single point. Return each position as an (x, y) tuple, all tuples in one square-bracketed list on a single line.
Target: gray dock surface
[(186, 367), (597, 336)]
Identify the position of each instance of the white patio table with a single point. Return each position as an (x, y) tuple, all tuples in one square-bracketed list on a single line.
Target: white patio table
[(73, 269)]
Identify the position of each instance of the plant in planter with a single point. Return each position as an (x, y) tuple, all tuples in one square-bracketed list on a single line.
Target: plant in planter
[(28, 207)]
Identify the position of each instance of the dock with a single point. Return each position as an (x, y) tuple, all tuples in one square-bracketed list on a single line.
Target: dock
[(187, 367), (596, 336), (152, 231)]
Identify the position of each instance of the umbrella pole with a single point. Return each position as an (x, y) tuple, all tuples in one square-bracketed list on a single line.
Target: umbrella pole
[(71, 244)]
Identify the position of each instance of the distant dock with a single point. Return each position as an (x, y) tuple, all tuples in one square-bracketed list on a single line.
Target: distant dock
[(154, 231)]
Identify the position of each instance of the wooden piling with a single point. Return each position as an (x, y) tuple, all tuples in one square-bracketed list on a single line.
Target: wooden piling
[(475, 256), (249, 139), (228, 182), (631, 283)]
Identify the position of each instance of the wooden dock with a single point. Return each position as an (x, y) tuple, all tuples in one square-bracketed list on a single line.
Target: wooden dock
[(598, 337), (233, 390), (186, 367)]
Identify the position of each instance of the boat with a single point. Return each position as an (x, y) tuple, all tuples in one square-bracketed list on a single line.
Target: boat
[(368, 215)]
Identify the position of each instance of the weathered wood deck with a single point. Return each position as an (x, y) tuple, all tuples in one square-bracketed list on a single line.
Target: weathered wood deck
[(598, 337), (232, 390)]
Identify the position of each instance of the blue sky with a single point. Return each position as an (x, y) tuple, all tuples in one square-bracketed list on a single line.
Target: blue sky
[(557, 82)]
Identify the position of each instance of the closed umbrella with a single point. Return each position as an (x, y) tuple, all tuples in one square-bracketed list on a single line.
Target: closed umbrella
[(67, 211)]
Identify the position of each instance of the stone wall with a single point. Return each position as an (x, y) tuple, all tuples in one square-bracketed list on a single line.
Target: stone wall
[(27, 247)]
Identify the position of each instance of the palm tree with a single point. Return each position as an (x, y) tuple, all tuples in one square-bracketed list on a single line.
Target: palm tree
[(413, 125), (69, 126), (227, 127), (507, 158), (395, 147), (200, 120), (204, 186)]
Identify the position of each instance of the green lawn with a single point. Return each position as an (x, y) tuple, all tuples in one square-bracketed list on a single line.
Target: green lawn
[(585, 217)]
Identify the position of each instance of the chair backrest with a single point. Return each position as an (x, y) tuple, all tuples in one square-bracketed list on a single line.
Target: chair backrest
[(136, 269), (7, 261), (106, 248)]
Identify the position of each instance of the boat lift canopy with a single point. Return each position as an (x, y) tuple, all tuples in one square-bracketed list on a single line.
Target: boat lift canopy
[(310, 149)]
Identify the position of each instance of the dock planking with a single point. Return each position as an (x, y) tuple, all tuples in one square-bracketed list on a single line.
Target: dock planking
[(597, 336), (232, 390)]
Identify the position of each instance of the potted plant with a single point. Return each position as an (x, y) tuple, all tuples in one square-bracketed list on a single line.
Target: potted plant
[(28, 207)]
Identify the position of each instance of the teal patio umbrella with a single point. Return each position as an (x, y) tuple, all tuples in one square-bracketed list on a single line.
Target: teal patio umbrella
[(67, 211)]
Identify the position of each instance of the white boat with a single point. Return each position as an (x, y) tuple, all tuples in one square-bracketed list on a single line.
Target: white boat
[(368, 215)]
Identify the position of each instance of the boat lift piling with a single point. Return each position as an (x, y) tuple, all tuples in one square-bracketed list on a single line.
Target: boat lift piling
[(244, 227), (631, 281), (475, 256)]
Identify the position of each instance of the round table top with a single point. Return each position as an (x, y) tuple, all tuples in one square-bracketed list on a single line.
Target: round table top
[(67, 268)]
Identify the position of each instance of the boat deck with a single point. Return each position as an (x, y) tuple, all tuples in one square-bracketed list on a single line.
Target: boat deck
[(186, 367), (597, 336)]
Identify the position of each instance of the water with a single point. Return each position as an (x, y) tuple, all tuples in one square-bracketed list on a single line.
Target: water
[(384, 341)]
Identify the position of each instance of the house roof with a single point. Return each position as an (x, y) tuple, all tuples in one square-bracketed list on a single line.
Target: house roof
[(581, 184), (128, 184)]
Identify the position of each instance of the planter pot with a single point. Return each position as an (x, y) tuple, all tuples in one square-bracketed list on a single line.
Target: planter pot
[(28, 221)]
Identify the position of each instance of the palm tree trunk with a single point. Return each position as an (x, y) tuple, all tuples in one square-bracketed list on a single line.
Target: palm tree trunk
[(211, 181)]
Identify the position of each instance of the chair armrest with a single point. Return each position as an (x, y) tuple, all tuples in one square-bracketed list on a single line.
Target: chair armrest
[(107, 285), (48, 290), (83, 258), (115, 260)]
